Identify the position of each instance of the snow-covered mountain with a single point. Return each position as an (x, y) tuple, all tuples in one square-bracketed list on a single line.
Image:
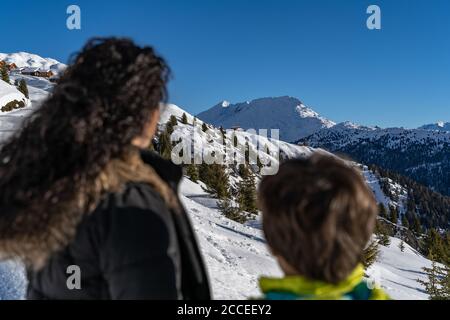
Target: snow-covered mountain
[(289, 115), (422, 155), (29, 60), (347, 133), (236, 254), (438, 126)]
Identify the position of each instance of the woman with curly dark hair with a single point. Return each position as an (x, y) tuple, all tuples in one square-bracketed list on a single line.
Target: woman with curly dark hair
[(77, 189)]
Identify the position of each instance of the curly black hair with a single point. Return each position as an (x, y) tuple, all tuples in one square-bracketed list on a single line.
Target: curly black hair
[(102, 101)]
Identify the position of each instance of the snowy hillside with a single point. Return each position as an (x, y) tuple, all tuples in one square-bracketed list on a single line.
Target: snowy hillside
[(439, 126), (235, 254), (422, 155), (38, 89), (10, 93), (212, 142), (348, 133), (29, 60), (289, 115)]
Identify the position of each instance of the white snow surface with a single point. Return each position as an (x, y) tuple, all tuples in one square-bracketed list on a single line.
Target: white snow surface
[(288, 114), (10, 93), (38, 89), (29, 60)]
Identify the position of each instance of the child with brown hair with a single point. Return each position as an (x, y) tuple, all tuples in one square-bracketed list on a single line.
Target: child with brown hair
[(318, 216)]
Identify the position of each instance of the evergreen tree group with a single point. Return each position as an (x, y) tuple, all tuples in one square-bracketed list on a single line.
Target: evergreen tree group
[(383, 233), (215, 177), (438, 284), (22, 87), (231, 211), (247, 190), (184, 119), (165, 144), (370, 254), (4, 73)]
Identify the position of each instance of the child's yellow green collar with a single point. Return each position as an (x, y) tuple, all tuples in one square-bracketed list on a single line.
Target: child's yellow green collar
[(305, 288)]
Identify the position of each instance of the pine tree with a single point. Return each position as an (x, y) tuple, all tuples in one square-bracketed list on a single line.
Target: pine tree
[(173, 120), (438, 284), (243, 171), (165, 145), (435, 246), (4, 73), (171, 124), (382, 210), (416, 225), (192, 172), (204, 127), (215, 178), (370, 254), (402, 246), (22, 87), (405, 221), (383, 234), (231, 211), (247, 192), (184, 119), (394, 215)]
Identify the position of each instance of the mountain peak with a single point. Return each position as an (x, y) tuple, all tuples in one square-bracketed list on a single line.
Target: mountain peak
[(288, 114)]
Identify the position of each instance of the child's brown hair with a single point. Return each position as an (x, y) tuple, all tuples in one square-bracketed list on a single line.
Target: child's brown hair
[(318, 215)]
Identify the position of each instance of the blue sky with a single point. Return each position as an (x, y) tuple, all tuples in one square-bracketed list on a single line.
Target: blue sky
[(317, 50)]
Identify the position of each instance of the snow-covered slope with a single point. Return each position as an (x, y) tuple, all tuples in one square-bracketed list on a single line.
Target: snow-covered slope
[(10, 93), (38, 89), (397, 272), (168, 110), (347, 133), (422, 155), (289, 115), (438, 126), (212, 142), (29, 60), (236, 254)]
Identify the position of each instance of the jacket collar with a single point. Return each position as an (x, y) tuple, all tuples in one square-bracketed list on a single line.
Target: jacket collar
[(302, 287), (167, 170)]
